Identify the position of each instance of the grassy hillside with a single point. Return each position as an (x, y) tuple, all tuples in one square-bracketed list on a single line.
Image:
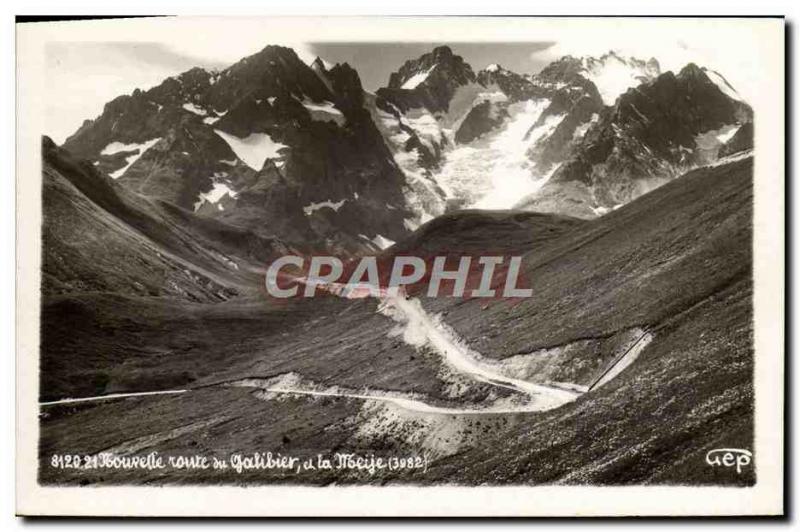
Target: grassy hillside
[(675, 262)]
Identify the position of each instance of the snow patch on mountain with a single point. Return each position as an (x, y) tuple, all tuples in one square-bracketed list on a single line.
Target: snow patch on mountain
[(192, 108), (420, 191), (581, 130), (414, 81), (728, 133), (382, 242), (218, 191), (494, 96), (731, 158), (324, 112), (546, 128), (723, 84), (709, 142), (312, 207), (117, 147), (613, 74), (255, 149), (425, 126), (493, 172)]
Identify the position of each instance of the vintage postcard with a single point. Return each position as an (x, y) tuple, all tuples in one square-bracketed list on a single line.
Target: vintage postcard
[(400, 266)]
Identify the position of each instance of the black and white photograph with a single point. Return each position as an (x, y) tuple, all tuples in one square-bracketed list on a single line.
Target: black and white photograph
[(314, 253)]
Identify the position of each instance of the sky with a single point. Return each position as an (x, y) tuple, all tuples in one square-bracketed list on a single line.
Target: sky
[(376, 61), (83, 73), (83, 76)]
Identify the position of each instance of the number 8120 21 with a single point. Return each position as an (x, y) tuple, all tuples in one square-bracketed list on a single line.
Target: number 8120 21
[(71, 461)]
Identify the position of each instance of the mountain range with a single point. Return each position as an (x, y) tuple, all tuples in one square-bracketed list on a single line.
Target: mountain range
[(304, 154)]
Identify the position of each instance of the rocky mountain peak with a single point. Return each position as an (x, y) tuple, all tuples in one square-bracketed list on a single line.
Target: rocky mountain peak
[(442, 53), (345, 83), (613, 73), (439, 65), (515, 86), (270, 144), (318, 65), (273, 52), (428, 81), (691, 70), (560, 70), (654, 131)]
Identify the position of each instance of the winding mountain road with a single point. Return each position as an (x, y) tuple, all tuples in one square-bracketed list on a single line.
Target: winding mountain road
[(454, 353)]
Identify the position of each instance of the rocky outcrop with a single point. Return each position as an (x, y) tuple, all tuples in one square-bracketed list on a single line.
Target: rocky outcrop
[(483, 118)]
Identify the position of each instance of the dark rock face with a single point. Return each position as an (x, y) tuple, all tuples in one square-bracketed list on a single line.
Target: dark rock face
[(556, 147), (649, 136), (517, 87), (564, 70), (578, 103), (483, 118), (429, 81), (303, 138)]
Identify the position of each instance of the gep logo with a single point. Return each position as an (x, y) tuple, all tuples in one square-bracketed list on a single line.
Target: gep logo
[(729, 457)]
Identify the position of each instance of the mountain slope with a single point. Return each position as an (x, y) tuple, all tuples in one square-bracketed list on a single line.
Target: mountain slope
[(676, 262), (112, 259), (268, 144), (97, 236), (483, 232)]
